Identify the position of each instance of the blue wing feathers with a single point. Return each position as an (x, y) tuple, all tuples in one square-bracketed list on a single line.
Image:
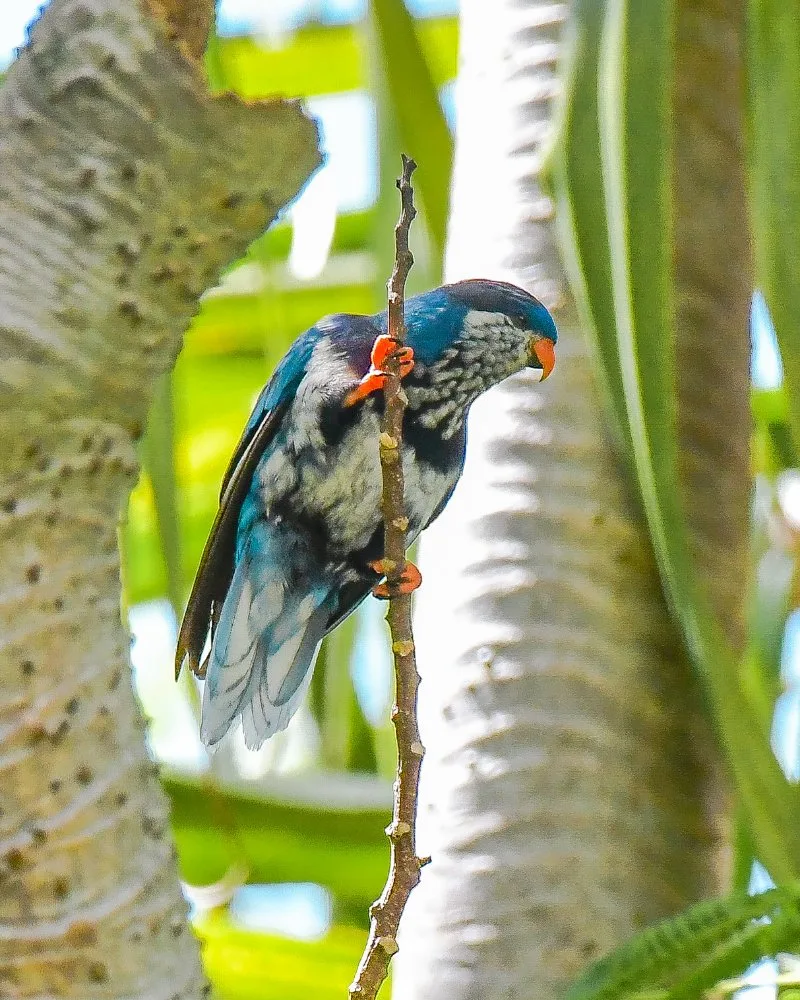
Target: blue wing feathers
[(265, 641), (276, 396)]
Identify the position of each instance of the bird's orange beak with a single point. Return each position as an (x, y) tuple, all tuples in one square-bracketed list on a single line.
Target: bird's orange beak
[(545, 352)]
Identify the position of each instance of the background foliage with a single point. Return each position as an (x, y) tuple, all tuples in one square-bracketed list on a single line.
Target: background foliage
[(312, 805)]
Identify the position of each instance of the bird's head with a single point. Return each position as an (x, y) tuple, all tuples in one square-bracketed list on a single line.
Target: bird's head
[(502, 311), (472, 334)]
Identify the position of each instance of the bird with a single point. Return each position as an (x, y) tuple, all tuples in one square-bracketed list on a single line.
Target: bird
[(298, 537)]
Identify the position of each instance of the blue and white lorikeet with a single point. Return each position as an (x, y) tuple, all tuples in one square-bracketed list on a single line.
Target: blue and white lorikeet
[(295, 543)]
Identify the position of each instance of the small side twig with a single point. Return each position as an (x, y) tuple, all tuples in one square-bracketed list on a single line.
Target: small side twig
[(404, 867)]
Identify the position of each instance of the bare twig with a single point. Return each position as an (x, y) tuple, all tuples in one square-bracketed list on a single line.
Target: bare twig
[(404, 868)]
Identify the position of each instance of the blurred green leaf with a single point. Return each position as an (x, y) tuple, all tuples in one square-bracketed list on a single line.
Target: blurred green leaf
[(770, 606), (407, 94), (213, 397), (743, 851), (322, 60), (771, 414), (774, 120), (345, 738), (245, 965), (328, 830), (770, 406), (158, 454), (233, 323), (353, 233), (213, 61), (384, 215), (573, 176)]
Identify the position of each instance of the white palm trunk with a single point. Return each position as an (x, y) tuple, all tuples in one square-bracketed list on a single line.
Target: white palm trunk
[(568, 797)]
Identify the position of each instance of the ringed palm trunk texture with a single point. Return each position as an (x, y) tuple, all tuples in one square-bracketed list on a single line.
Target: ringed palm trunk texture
[(570, 790), (124, 190)]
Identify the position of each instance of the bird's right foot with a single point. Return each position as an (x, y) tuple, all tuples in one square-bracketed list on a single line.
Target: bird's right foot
[(384, 349)]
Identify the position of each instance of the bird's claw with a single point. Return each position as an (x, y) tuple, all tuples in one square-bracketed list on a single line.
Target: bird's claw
[(384, 349), (406, 583)]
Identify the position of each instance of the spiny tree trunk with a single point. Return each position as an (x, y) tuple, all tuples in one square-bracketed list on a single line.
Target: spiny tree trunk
[(124, 189), (569, 785)]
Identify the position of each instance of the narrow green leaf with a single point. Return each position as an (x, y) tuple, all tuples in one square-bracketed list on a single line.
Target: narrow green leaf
[(345, 734), (635, 130), (418, 119), (215, 70), (389, 146), (770, 606), (774, 131), (743, 850), (363, 751), (336, 706), (158, 454), (574, 179)]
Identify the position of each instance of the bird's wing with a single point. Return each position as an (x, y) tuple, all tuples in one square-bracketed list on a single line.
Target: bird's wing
[(352, 337), (261, 658), (217, 562), (278, 391), (348, 599)]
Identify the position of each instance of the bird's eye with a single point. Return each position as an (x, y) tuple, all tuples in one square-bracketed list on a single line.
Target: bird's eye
[(519, 320)]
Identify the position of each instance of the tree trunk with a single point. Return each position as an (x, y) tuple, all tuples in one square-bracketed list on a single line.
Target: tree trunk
[(124, 189), (569, 789), (714, 277)]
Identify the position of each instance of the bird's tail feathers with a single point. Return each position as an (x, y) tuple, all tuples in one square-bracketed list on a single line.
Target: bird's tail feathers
[(262, 655), (284, 676)]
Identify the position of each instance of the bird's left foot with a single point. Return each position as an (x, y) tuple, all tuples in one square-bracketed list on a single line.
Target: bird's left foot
[(410, 578), (384, 349)]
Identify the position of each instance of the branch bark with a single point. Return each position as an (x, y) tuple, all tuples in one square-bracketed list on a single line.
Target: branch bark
[(404, 865), (124, 190)]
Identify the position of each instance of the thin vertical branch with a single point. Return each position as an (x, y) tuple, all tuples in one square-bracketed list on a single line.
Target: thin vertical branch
[(404, 867)]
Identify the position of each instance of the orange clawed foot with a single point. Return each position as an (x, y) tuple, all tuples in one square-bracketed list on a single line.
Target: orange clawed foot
[(410, 578), (384, 349)]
